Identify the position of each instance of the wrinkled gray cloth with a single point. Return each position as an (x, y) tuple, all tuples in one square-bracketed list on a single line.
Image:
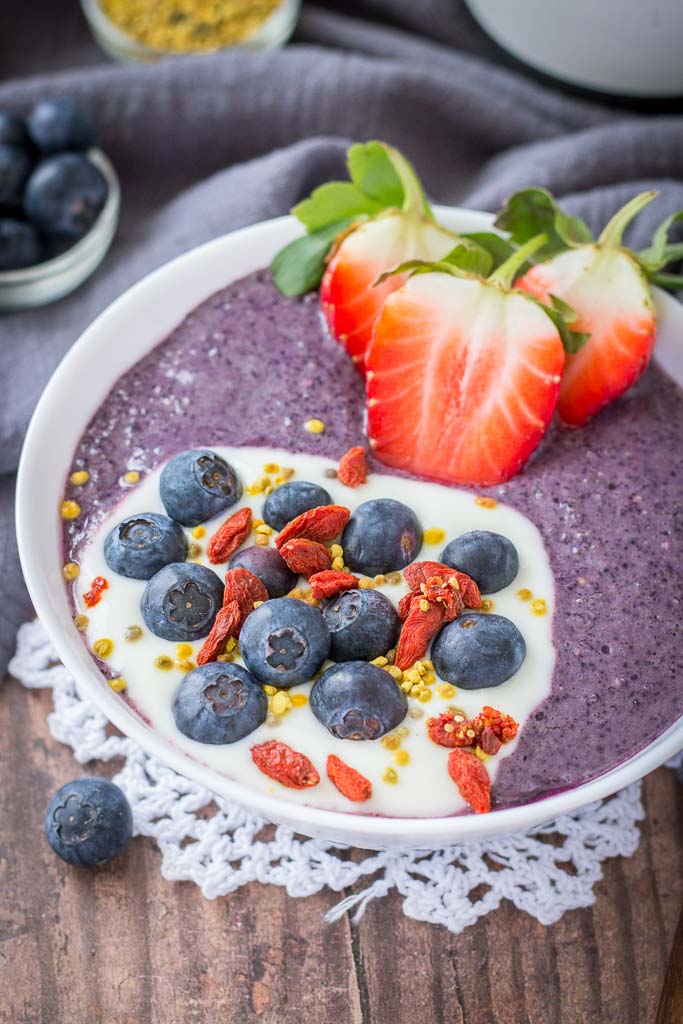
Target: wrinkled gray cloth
[(206, 144)]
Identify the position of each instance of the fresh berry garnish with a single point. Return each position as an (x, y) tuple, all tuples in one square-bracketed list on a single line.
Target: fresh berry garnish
[(198, 485), (219, 703), (478, 372), (478, 650), (141, 545), (65, 195), (358, 701), (88, 822), (180, 601), (57, 125), (20, 244), (606, 286), (370, 224), (12, 129), (15, 167), (284, 642), (489, 558), (290, 500), (270, 567), (383, 535), (363, 625)]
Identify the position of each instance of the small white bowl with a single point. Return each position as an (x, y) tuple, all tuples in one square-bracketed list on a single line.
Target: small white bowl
[(53, 279), (119, 337)]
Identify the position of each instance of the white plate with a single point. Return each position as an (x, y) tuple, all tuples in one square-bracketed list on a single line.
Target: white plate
[(119, 337)]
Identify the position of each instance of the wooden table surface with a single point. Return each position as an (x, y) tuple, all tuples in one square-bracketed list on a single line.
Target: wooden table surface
[(122, 946)]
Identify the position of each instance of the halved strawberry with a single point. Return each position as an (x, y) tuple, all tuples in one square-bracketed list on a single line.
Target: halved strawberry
[(463, 374)]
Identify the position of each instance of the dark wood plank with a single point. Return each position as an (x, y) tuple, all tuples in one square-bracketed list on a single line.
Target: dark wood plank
[(122, 945)]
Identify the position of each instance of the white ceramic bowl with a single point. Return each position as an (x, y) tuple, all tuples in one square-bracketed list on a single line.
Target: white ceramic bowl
[(119, 337)]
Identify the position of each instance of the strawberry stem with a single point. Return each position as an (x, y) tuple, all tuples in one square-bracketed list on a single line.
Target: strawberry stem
[(611, 235), (414, 200), (507, 271)]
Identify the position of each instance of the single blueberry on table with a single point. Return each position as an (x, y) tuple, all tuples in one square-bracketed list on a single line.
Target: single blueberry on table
[(382, 536), (197, 485), (478, 650), (141, 545), (489, 558), (363, 625), (56, 125), (13, 129), (284, 642), (358, 701), (15, 167), (292, 499), (88, 822), (65, 195), (270, 567), (219, 703), (180, 602), (20, 245)]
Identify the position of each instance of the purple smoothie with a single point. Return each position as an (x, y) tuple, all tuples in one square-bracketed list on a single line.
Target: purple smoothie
[(249, 367)]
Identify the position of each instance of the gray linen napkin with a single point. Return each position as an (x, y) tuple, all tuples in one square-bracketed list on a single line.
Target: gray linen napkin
[(207, 144)]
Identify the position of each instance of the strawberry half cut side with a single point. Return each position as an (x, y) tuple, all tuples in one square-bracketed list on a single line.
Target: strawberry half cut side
[(463, 373)]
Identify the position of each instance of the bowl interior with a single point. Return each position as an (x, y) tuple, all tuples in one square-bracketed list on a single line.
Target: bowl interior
[(120, 336)]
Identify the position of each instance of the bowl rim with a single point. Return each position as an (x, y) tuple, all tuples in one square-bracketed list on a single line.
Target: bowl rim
[(95, 236), (374, 831)]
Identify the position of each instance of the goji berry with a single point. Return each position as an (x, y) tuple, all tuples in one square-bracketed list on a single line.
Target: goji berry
[(306, 557), (419, 572), (353, 468), (418, 629), (245, 588), (227, 623), (471, 778), (503, 726), (444, 593), (284, 765), (348, 781), (404, 605), (94, 595), (331, 582), (322, 524), (489, 742), (450, 729), (228, 537)]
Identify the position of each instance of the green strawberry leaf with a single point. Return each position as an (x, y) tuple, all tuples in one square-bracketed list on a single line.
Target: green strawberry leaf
[(334, 201), (562, 315), (499, 249), (299, 267), (373, 173), (534, 211), (472, 257), (661, 252)]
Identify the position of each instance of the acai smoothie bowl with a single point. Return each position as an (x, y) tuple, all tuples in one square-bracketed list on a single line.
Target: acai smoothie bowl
[(374, 529)]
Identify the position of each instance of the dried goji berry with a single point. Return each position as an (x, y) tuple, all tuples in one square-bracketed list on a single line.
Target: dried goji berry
[(322, 524), (228, 537), (306, 557), (471, 778), (348, 781), (286, 766), (445, 593), (489, 742), (419, 572), (353, 468), (245, 588), (94, 595), (331, 582), (417, 631), (503, 726), (450, 729), (404, 605), (227, 623)]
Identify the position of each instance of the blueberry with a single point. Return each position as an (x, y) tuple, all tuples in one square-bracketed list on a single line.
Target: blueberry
[(219, 703), (284, 642), (478, 650), (65, 195), (198, 485), (56, 125), (292, 499), (15, 167), (180, 601), (489, 558), (12, 129), (88, 822), (270, 567), (20, 245), (382, 536), (363, 624), (358, 701), (141, 545)]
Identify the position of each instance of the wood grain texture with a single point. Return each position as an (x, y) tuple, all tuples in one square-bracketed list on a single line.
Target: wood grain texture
[(122, 946)]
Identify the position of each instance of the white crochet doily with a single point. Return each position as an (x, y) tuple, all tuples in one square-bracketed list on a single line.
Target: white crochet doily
[(544, 872)]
